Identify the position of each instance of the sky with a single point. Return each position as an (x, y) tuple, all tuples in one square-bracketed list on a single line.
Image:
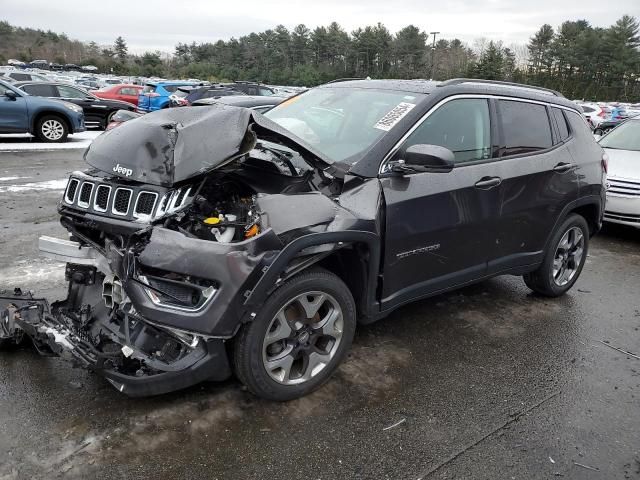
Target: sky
[(161, 24)]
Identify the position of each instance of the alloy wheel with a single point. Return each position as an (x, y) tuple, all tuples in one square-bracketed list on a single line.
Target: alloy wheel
[(52, 130), (568, 256), (302, 338)]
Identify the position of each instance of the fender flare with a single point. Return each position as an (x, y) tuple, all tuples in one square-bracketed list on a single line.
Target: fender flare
[(269, 279), (594, 200)]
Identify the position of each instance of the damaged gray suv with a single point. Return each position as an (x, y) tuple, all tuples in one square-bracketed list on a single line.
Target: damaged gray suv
[(206, 241)]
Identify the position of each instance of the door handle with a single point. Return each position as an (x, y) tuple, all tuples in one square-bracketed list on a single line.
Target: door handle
[(563, 167), (486, 183)]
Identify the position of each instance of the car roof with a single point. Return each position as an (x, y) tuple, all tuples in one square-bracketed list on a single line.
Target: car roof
[(458, 86)]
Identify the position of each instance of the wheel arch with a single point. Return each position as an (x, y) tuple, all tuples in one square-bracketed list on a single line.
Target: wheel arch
[(590, 208), (44, 113), (354, 256)]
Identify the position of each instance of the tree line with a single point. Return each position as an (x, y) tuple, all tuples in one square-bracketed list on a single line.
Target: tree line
[(578, 59)]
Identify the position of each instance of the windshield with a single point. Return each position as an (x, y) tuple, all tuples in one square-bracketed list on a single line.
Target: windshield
[(343, 123), (624, 137)]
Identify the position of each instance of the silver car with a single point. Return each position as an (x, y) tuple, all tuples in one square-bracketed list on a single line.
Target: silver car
[(622, 145)]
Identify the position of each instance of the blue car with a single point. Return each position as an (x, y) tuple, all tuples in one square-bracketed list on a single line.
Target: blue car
[(49, 120), (155, 96)]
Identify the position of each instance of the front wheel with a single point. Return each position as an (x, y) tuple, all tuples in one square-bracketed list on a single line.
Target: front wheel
[(298, 338), (563, 260), (51, 128)]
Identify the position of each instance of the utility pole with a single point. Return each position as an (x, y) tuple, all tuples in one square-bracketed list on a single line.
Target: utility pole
[(433, 54)]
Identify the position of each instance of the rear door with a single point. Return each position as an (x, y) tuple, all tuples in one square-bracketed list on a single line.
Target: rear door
[(538, 180), (438, 225)]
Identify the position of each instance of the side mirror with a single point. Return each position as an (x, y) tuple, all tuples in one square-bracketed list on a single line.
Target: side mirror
[(11, 94), (425, 158)]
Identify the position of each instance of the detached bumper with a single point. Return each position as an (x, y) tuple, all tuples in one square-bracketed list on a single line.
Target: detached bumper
[(22, 313)]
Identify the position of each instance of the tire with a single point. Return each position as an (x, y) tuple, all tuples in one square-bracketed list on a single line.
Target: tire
[(564, 259), (298, 338), (52, 129), (107, 120)]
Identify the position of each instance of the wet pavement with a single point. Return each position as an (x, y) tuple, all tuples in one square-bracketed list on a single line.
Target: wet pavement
[(487, 382)]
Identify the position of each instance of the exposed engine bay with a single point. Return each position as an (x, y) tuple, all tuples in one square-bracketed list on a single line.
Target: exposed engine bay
[(169, 252)]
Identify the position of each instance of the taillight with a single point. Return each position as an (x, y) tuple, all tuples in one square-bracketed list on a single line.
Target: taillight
[(605, 162)]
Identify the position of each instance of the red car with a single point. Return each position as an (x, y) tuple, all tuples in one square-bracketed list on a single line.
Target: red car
[(124, 92)]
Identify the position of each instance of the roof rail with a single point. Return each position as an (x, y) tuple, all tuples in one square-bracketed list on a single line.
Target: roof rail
[(458, 81), (346, 79)]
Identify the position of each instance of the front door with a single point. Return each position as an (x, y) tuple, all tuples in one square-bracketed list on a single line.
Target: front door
[(13, 113), (438, 225)]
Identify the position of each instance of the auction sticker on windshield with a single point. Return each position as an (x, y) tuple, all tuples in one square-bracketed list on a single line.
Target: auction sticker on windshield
[(391, 119)]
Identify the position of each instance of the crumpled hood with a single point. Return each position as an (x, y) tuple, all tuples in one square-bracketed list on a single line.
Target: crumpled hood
[(172, 145)]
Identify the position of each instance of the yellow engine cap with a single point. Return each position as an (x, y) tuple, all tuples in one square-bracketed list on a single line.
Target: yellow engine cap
[(212, 221)]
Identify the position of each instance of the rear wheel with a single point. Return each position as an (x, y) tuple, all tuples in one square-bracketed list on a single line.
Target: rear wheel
[(564, 259), (51, 128), (298, 338)]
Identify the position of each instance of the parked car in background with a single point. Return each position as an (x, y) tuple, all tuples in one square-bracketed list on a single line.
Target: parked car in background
[(252, 88), (594, 113), (20, 76), (97, 111), (155, 96), (606, 126), (259, 104), (185, 96), (88, 84), (48, 120), (123, 92), (622, 146)]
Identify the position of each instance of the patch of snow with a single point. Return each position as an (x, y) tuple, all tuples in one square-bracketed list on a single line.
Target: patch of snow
[(22, 275), (8, 179), (47, 185), (23, 141)]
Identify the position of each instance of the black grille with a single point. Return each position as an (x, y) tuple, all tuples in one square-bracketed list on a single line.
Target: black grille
[(145, 203), (175, 292), (71, 190), (180, 198), (85, 193), (102, 197), (121, 201)]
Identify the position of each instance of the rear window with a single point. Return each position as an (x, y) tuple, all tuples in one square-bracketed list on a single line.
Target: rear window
[(171, 88), (149, 89), (40, 90), (20, 77), (525, 127), (561, 122)]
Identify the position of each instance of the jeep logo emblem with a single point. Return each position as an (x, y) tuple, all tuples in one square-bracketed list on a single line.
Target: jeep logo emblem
[(127, 172)]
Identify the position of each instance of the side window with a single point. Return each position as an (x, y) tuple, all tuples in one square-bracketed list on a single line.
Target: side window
[(171, 88), (3, 89), (252, 91), (40, 90), (463, 126), (525, 126), (561, 122), (578, 123), (70, 92)]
